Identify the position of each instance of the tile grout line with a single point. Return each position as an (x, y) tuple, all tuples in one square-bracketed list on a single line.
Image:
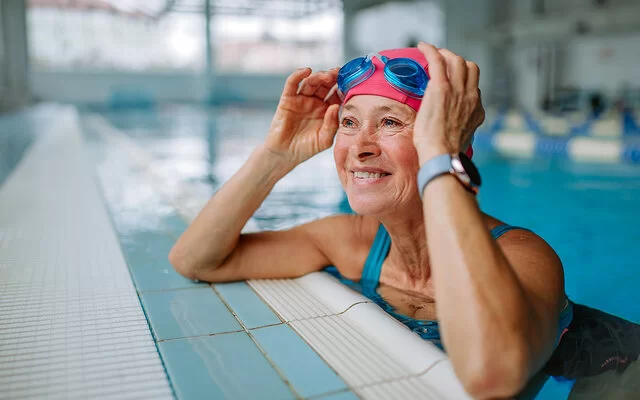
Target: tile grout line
[(199, 336), (349, 388), (264, 353), (353, 388)]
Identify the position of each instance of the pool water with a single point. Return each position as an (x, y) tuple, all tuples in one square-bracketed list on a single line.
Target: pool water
[(589, 213)]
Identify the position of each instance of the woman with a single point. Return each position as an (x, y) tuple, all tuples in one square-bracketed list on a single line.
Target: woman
[(498, 302)]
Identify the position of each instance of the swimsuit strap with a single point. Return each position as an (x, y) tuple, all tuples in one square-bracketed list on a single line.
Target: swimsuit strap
[(379, 250), (502, 229)]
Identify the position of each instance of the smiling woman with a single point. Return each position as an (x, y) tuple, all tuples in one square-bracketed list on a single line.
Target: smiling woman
[(496, 339)]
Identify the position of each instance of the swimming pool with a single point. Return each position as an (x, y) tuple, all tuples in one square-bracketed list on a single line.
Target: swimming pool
[(588, 212)]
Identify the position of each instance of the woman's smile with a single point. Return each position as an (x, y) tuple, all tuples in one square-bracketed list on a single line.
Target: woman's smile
[(368, 176)]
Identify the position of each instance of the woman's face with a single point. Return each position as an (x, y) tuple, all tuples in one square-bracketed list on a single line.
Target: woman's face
[(375, 157)]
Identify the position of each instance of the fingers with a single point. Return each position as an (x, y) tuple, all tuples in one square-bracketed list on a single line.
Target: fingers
[(318, 84), (456, 70), (473, 76), (293, 81), (437, 67), (329, 126)]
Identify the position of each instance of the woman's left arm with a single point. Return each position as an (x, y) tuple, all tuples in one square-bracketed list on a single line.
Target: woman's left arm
[(498, 305)]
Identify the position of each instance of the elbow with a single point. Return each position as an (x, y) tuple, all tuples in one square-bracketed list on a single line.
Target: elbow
[(501, 375), (181, 263)]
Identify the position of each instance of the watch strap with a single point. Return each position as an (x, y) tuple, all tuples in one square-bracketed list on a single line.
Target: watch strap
[(433, 168)]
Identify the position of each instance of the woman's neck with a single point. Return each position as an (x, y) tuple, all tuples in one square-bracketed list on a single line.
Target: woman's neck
[(408, 259)]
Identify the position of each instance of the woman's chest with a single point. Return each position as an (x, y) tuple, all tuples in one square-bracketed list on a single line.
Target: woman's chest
[(407, 303)]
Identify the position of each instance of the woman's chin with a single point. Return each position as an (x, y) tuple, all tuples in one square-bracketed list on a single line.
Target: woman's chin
[(371, 206)]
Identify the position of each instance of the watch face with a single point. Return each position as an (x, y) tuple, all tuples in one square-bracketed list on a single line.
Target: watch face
[(470, 169)]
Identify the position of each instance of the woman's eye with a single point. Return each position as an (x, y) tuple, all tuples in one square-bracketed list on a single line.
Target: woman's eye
[(347, 123), (389, 123)]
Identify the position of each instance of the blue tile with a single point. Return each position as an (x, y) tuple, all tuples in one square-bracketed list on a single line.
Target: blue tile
[(161, 278), (303, 367), (145, 248), (226, 366), (339, 396), (147, 256), (247, 305), (175, 224), (188, 312)]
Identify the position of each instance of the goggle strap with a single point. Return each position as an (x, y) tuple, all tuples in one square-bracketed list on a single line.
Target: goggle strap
[(336, 90)]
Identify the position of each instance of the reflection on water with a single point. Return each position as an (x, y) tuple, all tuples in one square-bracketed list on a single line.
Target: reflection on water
[(416, 311)]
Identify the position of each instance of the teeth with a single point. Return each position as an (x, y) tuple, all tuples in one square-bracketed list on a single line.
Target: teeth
[(368, 175)]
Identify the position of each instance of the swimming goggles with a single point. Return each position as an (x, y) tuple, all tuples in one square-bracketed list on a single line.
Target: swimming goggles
[(403, 74)]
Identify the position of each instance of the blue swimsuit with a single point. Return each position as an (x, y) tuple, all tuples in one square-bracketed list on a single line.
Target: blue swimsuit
[(427, 329)]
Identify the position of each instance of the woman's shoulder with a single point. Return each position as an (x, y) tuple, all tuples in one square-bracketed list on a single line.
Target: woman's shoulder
[(346, 240), (521, 241)]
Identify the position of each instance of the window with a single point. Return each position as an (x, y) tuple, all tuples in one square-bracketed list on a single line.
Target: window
[(67, 38)]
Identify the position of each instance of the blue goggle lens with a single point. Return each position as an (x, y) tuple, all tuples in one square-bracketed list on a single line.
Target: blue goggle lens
[(354, 72), (407, 76)]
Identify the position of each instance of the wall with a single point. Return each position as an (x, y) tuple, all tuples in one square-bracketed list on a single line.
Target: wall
[(462, 17), (602, 62), (13, 61), (100, 87)]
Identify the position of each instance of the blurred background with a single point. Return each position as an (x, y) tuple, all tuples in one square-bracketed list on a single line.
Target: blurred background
[(568, 55)]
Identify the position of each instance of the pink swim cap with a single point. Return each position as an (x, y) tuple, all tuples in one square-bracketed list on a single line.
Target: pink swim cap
[(377, 85)]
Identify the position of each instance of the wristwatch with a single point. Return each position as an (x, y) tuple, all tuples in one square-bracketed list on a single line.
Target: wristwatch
[(459, 165)]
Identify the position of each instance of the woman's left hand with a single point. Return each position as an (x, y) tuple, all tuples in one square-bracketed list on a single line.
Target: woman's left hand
[(451, 108)]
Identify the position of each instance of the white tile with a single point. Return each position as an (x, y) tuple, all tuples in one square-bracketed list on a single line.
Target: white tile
[(393, 337), (336, 296), (442, 377), (72, 325)]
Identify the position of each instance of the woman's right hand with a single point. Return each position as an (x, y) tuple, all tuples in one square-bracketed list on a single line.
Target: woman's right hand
[(306, 120)]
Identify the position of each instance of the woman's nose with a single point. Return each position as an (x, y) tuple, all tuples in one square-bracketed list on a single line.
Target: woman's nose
[(366, 145)]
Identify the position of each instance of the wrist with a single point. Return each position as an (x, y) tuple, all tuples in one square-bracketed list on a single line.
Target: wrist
[(275, 164), (429, 150)]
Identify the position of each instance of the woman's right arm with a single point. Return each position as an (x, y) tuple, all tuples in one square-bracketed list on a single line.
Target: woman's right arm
[(212, 248)]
